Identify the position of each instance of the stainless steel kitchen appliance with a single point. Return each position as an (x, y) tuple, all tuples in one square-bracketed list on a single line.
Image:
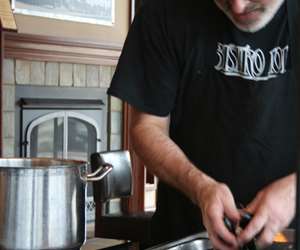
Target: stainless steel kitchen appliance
[(194, 242), (201, 241), (119, 182), (43, 203)]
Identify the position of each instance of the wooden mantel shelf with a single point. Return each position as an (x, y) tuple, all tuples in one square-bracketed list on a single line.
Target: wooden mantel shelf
[(47, 48)]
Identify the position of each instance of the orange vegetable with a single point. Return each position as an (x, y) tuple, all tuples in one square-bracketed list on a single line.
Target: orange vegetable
[(280, 238)]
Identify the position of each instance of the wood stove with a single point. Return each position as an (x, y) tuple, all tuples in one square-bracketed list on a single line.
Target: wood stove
[(62, 123)]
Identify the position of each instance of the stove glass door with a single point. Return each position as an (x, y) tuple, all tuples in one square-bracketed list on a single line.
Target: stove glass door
[(46, 139)]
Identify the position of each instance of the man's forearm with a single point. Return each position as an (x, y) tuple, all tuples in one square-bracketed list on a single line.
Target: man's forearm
[(165, 159)]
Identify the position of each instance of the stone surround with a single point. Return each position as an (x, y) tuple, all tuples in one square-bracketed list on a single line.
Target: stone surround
[(55, 74), (51, 74)]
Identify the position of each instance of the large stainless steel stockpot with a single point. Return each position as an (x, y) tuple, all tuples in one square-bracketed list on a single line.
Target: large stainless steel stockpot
[(42, 203)]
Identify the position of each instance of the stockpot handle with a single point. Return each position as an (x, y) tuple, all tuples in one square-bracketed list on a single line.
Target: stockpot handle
[(99, 174)]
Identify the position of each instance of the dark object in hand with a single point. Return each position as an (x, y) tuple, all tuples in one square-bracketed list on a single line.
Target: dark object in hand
[(235, 228)]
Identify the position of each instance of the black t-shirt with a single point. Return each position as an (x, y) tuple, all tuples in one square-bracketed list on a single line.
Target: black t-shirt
[(229, 94)]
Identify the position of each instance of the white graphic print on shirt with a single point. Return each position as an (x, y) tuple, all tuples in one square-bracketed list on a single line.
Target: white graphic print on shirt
[(251, 64)]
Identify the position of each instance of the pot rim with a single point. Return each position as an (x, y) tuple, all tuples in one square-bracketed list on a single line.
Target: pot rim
[(39, 163)]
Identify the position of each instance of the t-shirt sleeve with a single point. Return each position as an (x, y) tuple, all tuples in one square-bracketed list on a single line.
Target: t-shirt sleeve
[(147, 73)]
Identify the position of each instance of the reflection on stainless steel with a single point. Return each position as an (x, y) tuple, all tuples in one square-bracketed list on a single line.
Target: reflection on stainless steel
[(99, 173), (119, 182), (201, 242), (193, 242), (42, 163), (194, 245), (42, 204)]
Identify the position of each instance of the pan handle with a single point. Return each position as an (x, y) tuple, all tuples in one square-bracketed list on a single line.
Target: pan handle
[(97, 175)]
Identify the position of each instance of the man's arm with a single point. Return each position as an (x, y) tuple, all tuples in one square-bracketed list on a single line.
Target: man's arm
[(149, 135)]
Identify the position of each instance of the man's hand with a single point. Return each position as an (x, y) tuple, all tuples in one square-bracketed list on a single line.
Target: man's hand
[(273, 209), (216, 201)]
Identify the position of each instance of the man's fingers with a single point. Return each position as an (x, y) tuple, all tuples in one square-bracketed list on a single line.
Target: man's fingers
[(267, 235), (254, 227), (225, 234), (230, 210), (217, 224), (218, 203)]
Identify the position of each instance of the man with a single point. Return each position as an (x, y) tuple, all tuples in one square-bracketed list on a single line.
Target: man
[(214, 114)]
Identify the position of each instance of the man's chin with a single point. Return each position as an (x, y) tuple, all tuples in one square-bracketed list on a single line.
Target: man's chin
[(250, 27), (253, 24)]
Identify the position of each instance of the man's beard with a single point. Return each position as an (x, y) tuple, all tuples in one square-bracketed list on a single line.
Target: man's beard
[(266, 15)]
